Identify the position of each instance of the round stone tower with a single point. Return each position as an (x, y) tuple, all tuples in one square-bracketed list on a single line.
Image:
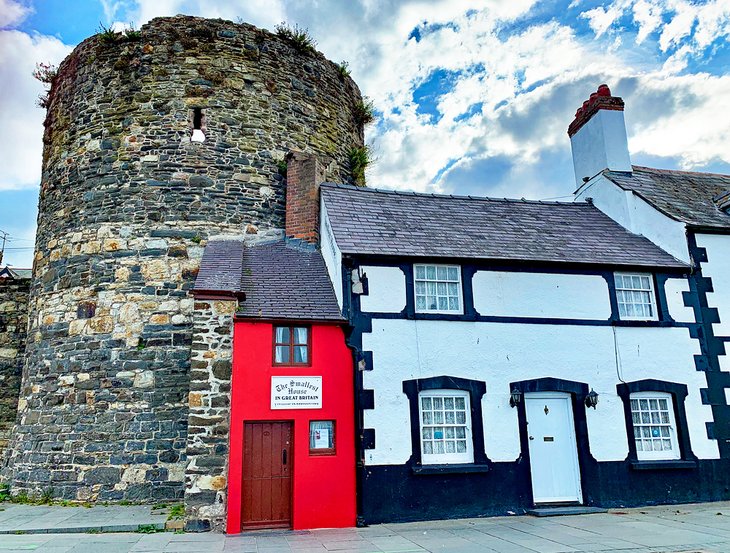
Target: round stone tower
[(154, 141)]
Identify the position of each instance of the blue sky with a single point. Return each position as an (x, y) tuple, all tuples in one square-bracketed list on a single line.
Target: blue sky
[(473, 96)]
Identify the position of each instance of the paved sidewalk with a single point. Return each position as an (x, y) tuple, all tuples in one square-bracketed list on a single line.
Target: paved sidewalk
[(702, 528), (44, 519)]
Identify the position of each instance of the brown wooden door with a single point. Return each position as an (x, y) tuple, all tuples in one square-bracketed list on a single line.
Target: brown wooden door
[(267, 470)]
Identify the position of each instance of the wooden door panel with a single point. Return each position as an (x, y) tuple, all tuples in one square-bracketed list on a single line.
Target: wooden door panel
[(266, 501)]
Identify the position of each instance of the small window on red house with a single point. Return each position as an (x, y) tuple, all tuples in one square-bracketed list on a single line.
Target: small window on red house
[(291, 345), (321, 437)]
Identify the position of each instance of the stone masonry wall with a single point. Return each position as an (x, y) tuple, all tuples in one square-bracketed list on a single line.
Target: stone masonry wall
[(13, 323), (209, 420), (127, 203)]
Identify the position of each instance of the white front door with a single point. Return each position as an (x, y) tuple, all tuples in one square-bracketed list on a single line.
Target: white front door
[(553, 452)]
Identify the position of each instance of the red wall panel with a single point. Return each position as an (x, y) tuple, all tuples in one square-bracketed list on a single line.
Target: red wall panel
[(323, 490)]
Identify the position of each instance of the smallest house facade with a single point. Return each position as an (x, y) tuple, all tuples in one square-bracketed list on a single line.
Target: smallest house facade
[(281, 453), (516, 354)]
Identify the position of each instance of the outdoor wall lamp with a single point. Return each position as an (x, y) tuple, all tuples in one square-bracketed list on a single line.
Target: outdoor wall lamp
[(591, 399), (515, 396)]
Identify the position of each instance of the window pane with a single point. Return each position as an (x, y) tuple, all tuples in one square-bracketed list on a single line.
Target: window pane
[(448, 403), (300, 354), (461, 446), (300, 335), (420, 303), (428, 447), (282, 334), (460, 417), (420, 287), (453, 273), (426, 402), (282, 354), (459, 403), (420, 271), (443, 304), (450, 447), (441, 288), (437, 403), (431, 272), (441, 273), (321, 435), (427, 418)]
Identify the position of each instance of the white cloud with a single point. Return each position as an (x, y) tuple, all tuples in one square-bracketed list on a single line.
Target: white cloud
[(12, 13), (20, 119)]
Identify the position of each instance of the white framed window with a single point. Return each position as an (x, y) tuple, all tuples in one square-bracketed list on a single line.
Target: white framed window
[(445, 420), (438, 288), (655, 430), (635, 296)]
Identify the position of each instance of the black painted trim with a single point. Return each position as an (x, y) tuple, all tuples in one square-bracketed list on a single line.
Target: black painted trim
[(712, 347), (671, 464), (679, 395), (460, 468), (476, 390)]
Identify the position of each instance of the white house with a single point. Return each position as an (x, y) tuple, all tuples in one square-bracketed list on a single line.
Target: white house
[(685, 213), (516, 354)]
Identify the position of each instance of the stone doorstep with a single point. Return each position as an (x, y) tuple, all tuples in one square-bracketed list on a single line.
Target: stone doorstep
[(99, 528), (564, 511)]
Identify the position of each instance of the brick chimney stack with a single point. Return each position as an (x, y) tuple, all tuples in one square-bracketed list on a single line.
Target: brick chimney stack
[(304, 174), (598, 136)]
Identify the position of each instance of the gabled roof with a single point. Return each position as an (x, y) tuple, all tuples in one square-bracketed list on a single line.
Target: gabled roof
[(15, 273), (281, 280), (691, 198), (380, 222)]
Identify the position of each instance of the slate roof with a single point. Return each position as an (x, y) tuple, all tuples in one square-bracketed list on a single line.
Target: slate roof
[(15, 273), (280, 280), (692, 198), (380, 222), (221, 268)]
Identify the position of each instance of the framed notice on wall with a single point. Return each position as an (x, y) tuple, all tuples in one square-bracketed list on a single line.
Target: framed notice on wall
[(296, 392)]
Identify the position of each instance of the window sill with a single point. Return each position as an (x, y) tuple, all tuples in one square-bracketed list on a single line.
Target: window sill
[(455, 468), (672, 464)]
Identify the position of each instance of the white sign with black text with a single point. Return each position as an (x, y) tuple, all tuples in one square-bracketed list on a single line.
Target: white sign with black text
[(296, 392)]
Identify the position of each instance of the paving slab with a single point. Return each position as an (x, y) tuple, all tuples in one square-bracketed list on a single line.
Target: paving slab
[(56, 519), (702, 528)]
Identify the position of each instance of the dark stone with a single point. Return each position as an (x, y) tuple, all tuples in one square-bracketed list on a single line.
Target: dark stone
[(103, 475), (222, 369)]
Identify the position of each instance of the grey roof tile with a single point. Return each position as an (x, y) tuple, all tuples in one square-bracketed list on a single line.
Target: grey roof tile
[(382, 222), (281, 280), (692, 198)]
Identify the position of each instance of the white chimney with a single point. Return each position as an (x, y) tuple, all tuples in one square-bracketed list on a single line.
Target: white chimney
[(598, 136)]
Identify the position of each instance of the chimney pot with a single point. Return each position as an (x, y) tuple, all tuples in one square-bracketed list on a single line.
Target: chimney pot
[(603, 90)]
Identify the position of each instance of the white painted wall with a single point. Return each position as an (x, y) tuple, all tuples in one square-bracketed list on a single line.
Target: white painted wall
[(633, 213), (673, 288), (330, 252), (500, 353), (718, 268), (600, 144), (560, 296), (387, 290)]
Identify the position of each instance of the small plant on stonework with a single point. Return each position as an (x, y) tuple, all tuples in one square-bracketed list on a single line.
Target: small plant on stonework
[(148, 529), (107, 34), (359, 160), (282, 167), (4, 492), (46, 497), (158, 506), (45, 73), (21, 498), (364, 111), (140, 346), (93, 531), (176, 512), (197, 239), (130, 33), (343, 69), (298, 37)]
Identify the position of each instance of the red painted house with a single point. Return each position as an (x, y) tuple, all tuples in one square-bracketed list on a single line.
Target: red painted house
[(292, 429)]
